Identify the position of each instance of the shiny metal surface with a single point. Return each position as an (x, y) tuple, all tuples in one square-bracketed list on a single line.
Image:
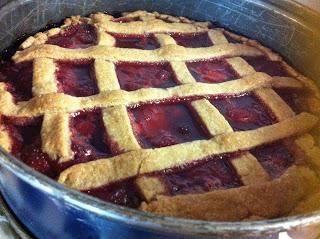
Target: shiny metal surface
[(282, 25), (20, 230)]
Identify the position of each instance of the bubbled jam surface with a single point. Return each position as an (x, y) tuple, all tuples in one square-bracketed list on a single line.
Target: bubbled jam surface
[(206, 175), (75, 36), (18, 79), (144, 42), (26, 138), (88, 136), (134, 76), (245, 112), (123, 193), (76, 78), (193, 40), (213, 71), (160, 125), (275, 158)]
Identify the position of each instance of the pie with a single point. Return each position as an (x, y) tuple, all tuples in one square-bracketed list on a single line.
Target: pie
[(164, 114)]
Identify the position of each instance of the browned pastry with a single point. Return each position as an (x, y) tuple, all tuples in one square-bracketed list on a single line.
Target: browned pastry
[(164, 114)]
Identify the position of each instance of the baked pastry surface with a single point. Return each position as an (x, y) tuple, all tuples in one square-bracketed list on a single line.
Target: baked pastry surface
[(164, 114)]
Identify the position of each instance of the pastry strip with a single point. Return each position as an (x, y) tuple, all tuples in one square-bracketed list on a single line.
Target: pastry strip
[(150, 160), (165, 53)]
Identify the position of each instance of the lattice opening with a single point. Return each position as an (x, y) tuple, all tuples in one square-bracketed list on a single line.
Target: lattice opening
[(75, 36), (244, 112), (213, 71), (160, 125), (76, 78), (193, 40), (134, 76)]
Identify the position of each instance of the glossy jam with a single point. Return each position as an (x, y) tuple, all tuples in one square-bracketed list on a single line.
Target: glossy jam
[(123, 193), (160, 125), (275, 158), (214, 71), (206, 175), (144, 42), (154, 125), (244, 112), (292, 98), (77, 36), (18, 79), (76, 78), (134, 76), (263, 64), (26, 138), (88, 136), (193, 40)]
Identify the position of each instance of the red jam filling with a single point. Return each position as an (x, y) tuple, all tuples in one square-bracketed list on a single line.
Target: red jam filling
[(275, 158), (144, 42), (244, 112), (292, 98), (232, 39), (126, 19), (76, 78), (26, 138), (88, 136), (193, 40), (263, 64), (160, 125), (207, 175), (134, 76), (213, 71), (123, 193), (77, 36), (18, 78)]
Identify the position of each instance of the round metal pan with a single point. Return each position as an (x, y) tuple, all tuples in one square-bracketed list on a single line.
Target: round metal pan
[(49, 210)]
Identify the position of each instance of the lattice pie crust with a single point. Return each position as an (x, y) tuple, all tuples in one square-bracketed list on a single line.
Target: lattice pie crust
[(260, 197)]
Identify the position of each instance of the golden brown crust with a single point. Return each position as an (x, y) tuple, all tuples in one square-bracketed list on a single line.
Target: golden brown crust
[(151, 160), (58, 102), (264, 200), (260, 198), (250, 170), (119, 130), (165, 53), (56, 126)]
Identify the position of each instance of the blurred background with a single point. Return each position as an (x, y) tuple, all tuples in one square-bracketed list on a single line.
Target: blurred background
[(315, 4)]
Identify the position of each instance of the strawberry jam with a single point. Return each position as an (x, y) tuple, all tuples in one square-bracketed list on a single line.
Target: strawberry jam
[(244, 112), (193, 40), (26, 138), (76, 36), (160, 125), (213, 71), (134, 76), (275, 158), (76, 78), (232, 39), (126, 19), (211, 174), (292, 98), (144, 42), (123, 193), (88, 136), (263, 64), (18, 78)]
